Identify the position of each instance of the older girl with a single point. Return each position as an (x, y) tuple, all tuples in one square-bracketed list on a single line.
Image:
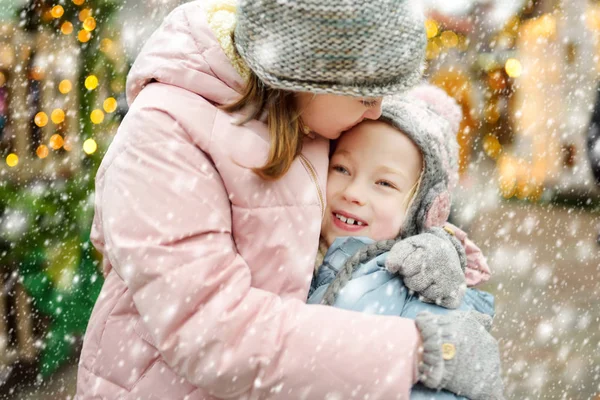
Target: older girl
[(210, 198)]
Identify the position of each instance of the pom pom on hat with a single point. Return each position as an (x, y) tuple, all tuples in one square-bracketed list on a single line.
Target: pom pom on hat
[(439, 101)]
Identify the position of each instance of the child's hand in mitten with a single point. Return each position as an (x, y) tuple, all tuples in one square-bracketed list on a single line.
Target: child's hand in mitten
[(460, 355), (432, 264)]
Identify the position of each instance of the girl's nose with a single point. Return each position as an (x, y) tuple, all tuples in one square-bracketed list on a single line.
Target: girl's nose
[(353, 194)]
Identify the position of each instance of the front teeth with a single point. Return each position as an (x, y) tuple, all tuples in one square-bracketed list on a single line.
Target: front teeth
[(348, 221)]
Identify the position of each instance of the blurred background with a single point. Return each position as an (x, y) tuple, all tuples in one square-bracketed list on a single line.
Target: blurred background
[(525, 72)]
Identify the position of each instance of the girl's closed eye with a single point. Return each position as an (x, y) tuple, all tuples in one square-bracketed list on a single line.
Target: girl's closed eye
[(369, 103)]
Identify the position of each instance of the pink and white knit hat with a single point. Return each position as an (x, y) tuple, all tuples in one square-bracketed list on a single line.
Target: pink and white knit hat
[(431, 118)]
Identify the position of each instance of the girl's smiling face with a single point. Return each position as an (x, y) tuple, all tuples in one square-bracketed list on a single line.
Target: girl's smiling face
[(372, 173)]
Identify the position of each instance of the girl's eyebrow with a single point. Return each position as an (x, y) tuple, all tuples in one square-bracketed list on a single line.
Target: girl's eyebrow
[(394, 171)]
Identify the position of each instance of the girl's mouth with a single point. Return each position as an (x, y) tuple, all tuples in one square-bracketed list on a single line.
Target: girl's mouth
[(347, 222)]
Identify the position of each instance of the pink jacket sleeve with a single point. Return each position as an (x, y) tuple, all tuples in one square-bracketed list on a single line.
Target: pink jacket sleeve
[(167, 230), (477, 271)]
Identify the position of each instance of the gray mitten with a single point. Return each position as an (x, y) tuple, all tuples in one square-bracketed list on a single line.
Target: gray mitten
[(432, 264), (460, 355)]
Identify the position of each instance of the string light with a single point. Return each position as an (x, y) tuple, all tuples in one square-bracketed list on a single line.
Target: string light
[(56, 141), (91, 82), (110, 105), (41, 119), (97, 116), (42, 151), (58, 116), (431, 27), (85, 13), (89, 24), (513, 68), (65, 86), (449, 39), (84, 36), (66, 28), (57, 11), (12, 160), (492, 146), (433, 50), (90, 146)]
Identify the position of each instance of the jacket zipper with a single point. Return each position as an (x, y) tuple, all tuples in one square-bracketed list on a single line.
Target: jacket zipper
[(313, 175)]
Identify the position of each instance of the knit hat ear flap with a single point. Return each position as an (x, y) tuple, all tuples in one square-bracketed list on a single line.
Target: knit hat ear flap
[(436, 206)]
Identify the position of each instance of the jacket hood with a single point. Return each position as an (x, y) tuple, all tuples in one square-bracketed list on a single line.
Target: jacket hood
[(184, 52)]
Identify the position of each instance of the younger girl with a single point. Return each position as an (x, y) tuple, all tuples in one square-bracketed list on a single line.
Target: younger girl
[(389, 185)]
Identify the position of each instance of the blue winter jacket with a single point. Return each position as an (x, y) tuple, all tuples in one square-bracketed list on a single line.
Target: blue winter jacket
[(375, 290)]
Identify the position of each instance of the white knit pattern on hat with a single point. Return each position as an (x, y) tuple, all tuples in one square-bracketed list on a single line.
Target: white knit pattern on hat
[(348, 47), (221, 17)]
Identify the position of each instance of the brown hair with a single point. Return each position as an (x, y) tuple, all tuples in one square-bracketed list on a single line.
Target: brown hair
[(283, 120)]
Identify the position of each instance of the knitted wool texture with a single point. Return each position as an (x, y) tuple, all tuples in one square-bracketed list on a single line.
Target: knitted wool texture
[(221, 18), (431, 119), (352, 47)]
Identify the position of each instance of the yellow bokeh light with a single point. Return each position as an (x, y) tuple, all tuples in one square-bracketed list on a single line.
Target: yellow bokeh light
[(2, 79), (431, 27), (97, 116), (106, 45), (84, 36), (433, 50), (90, 146), (41, 119), (12, 160), (57, 11), (110, 105), (449, 39), (513, 68), (47, 16), (85, 13), (492, 146), (56, 141), (78, 2), (42, 151), (67, 146), (545, 26), (91, 82), (89, 24), (58, 116), (66, 28), (65, 86)]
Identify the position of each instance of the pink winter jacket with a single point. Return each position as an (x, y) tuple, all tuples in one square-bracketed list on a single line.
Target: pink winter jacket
[(207, 266)]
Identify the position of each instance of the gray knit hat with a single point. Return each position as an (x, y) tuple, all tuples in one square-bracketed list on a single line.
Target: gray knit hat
[(431, 119), (347, 47)]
